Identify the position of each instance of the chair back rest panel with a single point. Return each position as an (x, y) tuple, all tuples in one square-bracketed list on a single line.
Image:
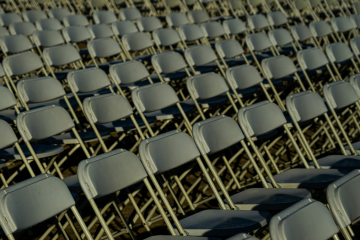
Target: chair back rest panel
[(301, 32), (229, 48), (234, 26), (22, 63), (15, 44), (176, 19), (128, 72), (136, 41), (7, 100), (205, 86), (244, 76), (278, 67), (100, 31), (103, 48), (258, 42), (340, 94), (8, 137), (123, 27), (166, 37), (87, 80), (24, 28), (312, 58), (61, 55), (199, 55), (168, 62), (48, 38), (338, 52)]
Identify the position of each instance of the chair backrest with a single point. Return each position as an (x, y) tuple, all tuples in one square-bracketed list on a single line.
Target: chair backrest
[(15, 44), (260, 118), (44, 122), (33, 15), (244, 76), (8, 18), (355, 18), (166, 37), (229, 48), (106, 108), (355, 82), (76, 34), (7, 100), (280, 37), (128, 72), (343, 197), (191, 32), (154, 97), (38, 90), (301, 32), (205, 86), (305, 106), (75, 20), (61, 55), (311, 58), (87, 80), (32, 201), (277, 18), (236, 4), (338, 52), (136, 41), (301, 4), (103, 47), (123, 27), (109, 172), (22, 63), (130, 14), (306, 219), (198, 16), (48, 24), (342, 24), (168, 62), (320, 29), (355, 45), (199, 55), (217, 133), (176, 19), (166, 151), (47, 38), (58, 13), (24, 28), (340, 94), (234, 26), (4, 32), (258, 42), (8, 137), (257, 22), (213, 29), (278, 67), (104, 17), (100, 31), (148, 24)]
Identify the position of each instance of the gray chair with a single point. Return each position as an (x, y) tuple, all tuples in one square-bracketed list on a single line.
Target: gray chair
[(191, 32), (217, 134), (75, 20), (100, 31), (282, 38), (234, 26), (130, 13), (33, 15), (24, 28), (166, 37), (28, 211), (343, 201), (198, 16), (8, 18), (176, 19), (355, 18), (213, 30), (355, 46), (76, 34), (258, 22), (277, 18), (4, 32), (58, 13), (320, 29), (123, 27), (339, 55), (48, 24), (342, 24), (148, 24), (305, 219), (138, 41), (104, 17), (15, 44), (163, 153), (44, 39), (231, 52), (8, 106), (301, 32)]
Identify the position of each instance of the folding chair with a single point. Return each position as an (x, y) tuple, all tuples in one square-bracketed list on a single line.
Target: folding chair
[(76, 34), (237, 8), (216, 135), (4, 32), (15, 44), (9, 107), (214, 30), (192, 33), (47, 38), (277, 19), (138, 42), (148, 24), (303, 34), (258, 22), (8, 18), (104, 17), (167, 37), (343, 25), (105, 48), (33, 15), (75, 20), (24, 28), (231, 52), (234, 27), (262, 118), (100, 31), (123, 27), (162, 154), (198, 16), (48, 24), (321, 31), (305, 219), (130, 13), (355, 44), (342, 198), (282, 39), (28, 211), (176, 19), (58, 13), (355, 19)]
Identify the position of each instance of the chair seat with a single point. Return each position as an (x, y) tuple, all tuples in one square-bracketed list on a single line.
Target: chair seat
[(167, 113), (8, 115), (268, 199), (308, 178), (69, 138), (41, 151), (73, 184), (223, 223), (338, 161), (212, 102), (124, 125)]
